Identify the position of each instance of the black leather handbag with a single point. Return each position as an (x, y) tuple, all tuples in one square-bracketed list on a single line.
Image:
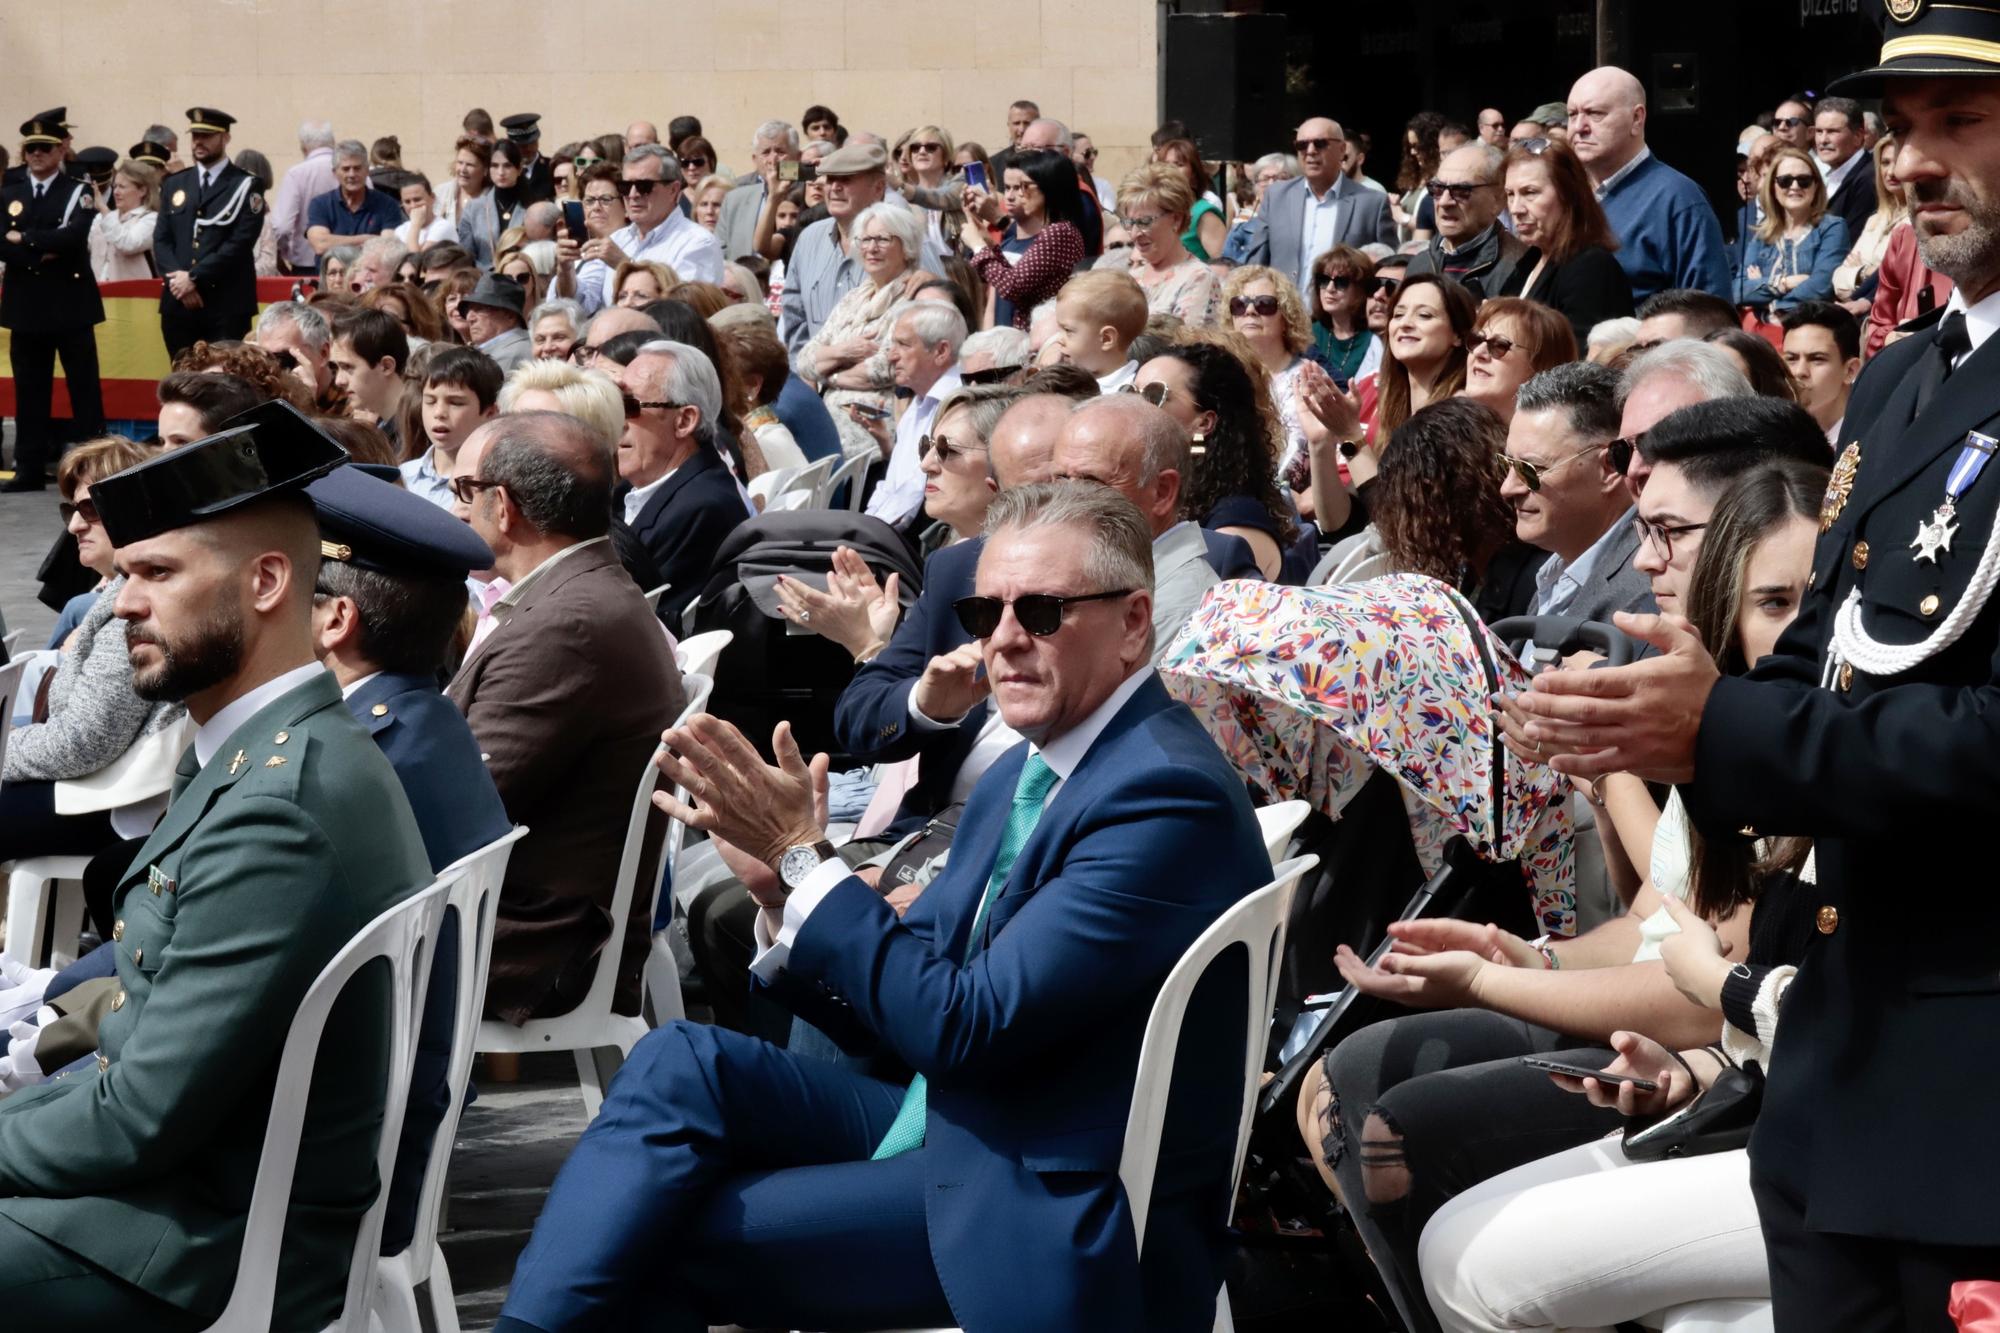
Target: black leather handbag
[(1719, 1120)]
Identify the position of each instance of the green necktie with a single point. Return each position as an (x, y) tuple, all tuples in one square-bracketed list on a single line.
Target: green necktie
[(185, 771), (907, 1131)]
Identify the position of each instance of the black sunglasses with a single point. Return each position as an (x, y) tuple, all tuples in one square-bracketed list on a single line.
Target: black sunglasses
[(1789, 182), (1458, 190), (1339, 283), (926, 148), (1155, 393), (1312, 145), (1621, 451), (1531, 474), (1039, 613), (1266, 306), (700, 163), (86, 506), (990, 375), (1789, 122), (643, 187), (634, 406), (1377, 286)]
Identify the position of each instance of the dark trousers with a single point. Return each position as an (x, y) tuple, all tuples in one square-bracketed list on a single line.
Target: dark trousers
[(726, 1180), (181, 328), (1855, 1283), (30, 826), (33, 357), (1452, 1086), (42, 1285)]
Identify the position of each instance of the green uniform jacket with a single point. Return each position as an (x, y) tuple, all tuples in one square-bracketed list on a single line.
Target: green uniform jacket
[(267, 863)]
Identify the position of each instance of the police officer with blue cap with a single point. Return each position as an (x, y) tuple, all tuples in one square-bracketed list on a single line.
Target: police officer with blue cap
[(387, 611)]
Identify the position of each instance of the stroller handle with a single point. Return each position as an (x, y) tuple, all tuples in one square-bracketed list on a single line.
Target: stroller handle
[(1566, 634)]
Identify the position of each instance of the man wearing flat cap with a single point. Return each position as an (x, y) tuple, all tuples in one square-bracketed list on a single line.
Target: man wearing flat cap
[(538, 181), (124, 1185), (496, 317), (204, 244), (49, 302), (1874, 731), (825, 265)]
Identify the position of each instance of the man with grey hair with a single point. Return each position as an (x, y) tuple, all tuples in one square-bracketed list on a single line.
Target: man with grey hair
[(303, 183), (1664, 379), (924, 338), (1047, 133), (775, 141), (992, 355), (675, 491), (1124, 442), (297, 333), (353, 207), (376, 266), (655, 229), (1569, 498), (1322, 208), (1471, 247), (825, 265), (538, 222)]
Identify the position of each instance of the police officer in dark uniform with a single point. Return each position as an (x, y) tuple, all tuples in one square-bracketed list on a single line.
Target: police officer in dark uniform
[(49, 302), (59, 116), (1874, 729), (538, 181), (148, 151), (204, 244)]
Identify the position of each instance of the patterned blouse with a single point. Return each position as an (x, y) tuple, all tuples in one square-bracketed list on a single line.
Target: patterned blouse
[(1039, 274)]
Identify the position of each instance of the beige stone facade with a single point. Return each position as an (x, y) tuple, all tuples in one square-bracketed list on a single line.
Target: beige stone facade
[(589, 66)]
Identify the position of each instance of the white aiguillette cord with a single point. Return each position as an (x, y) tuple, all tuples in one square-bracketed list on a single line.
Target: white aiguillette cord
[(1852, 645)]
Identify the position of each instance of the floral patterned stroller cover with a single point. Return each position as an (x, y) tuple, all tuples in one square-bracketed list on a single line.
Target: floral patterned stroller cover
[(1310, 690)]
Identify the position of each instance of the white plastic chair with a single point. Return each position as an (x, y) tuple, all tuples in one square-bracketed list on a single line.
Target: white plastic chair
[(44, 907), (789, 502), (474, 894), (698, 653), (591, 1026), (812, 479), (852, 468), (11, 641), (767, 485), (663, 970), (1258, 924), (654, 595), (404, 935), (10, 685), (1277, 822)]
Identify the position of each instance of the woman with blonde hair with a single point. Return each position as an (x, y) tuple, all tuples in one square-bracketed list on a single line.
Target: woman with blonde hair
[(931, 185), (1265, 310), (121, 235), (1854, 280), (1155, 202), (640, 282), (1792, 254), (706, 201)]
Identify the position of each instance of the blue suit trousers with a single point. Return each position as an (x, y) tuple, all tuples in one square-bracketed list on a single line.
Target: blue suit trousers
[(727, 1180)]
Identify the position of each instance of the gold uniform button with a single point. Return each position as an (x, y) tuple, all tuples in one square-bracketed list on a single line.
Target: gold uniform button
[(380, 710), (1828, 920), (1861, 555), (1846, 677), (1929, 605), (117, 931), (103, 1063), (118, 1002)]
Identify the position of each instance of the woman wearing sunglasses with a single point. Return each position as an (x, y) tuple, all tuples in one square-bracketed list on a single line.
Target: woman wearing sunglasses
[(930, 184), (88, 714), (1266, 312), (1553, 208), (1792, 255), (1342, 279), (1513, 340), (1154, 202)]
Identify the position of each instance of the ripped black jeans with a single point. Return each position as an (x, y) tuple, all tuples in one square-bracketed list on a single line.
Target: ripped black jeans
[(1419, 1108)]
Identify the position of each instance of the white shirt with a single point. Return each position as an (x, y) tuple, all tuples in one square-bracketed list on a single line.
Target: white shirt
[(681, 243), (240, 709), (901, 492), (1118, 378), (637, 497), (1833, 432), (1624, 171), (1319, 231), (1062, 754), (1837, 176), (347, 690), (42, 184), (440, 229), (1980, 320)]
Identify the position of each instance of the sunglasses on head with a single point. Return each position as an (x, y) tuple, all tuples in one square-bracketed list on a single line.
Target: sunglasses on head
[(1460, 191), (1495, 345), (1266, 306), (1155, 393), (86, 506), (1537, 145), (1039, 613), (1789, 182)]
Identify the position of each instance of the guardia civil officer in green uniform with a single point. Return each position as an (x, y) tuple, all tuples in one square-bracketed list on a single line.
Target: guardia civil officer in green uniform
[(1874, 729), (205, 242), (124, 1186)]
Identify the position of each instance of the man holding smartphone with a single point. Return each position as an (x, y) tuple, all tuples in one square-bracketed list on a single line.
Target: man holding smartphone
[(1870, 730), (650, 184)]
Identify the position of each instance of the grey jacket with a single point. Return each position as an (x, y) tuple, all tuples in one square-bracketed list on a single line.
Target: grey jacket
[(1181, 578), (740, 209), (94, 715), (1615, 583), (1364, 218)]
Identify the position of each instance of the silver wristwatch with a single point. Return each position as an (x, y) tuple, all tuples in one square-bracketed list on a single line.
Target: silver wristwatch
[(799, 862)]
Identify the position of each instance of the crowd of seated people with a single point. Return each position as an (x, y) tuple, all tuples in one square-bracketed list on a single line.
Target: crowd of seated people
[(501, 470)]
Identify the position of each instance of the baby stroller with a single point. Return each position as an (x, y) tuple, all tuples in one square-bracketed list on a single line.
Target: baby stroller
[(1369, 701)]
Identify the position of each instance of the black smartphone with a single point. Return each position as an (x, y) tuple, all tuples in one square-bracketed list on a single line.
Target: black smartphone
[(1585, 1071), (870, 411), (573, 220), (808, 171)]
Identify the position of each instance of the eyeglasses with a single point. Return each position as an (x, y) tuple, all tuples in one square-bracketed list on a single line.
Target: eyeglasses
[(945, 449), (1313, 145), (875, 242), (1660, 536), (1496, 346), (1089, 154), (1793, 182), (1789, 122), (1380, 286), (86, 506), (1460, 191), (466, 489), (1339, 282), (698, 163), (1621, 451), (1155, 393), (600, 201), (1141, 224), (1039, 613), (1266, 306), (1531, 474), (927, 148), (634, 406)]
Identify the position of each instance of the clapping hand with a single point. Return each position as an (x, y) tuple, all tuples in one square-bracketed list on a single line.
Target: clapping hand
[(953, 684), (1638, 1057), (1336, 413), (766, 890), (854, 611), (762, 808), (1641, 718), (1696, 958)]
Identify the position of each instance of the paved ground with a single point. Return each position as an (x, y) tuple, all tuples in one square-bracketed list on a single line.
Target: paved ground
[(28, 523)]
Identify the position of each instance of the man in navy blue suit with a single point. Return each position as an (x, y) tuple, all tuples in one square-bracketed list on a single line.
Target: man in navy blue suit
[(677, 495), (390, 596), (729, 1180)]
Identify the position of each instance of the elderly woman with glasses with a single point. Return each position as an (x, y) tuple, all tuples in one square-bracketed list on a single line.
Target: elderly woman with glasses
[(1513, 340), (847, 360), (1154, 202), (1792, 255)]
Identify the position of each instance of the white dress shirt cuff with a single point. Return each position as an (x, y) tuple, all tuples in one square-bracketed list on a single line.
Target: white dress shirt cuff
[(924, 722), (799, 904)]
